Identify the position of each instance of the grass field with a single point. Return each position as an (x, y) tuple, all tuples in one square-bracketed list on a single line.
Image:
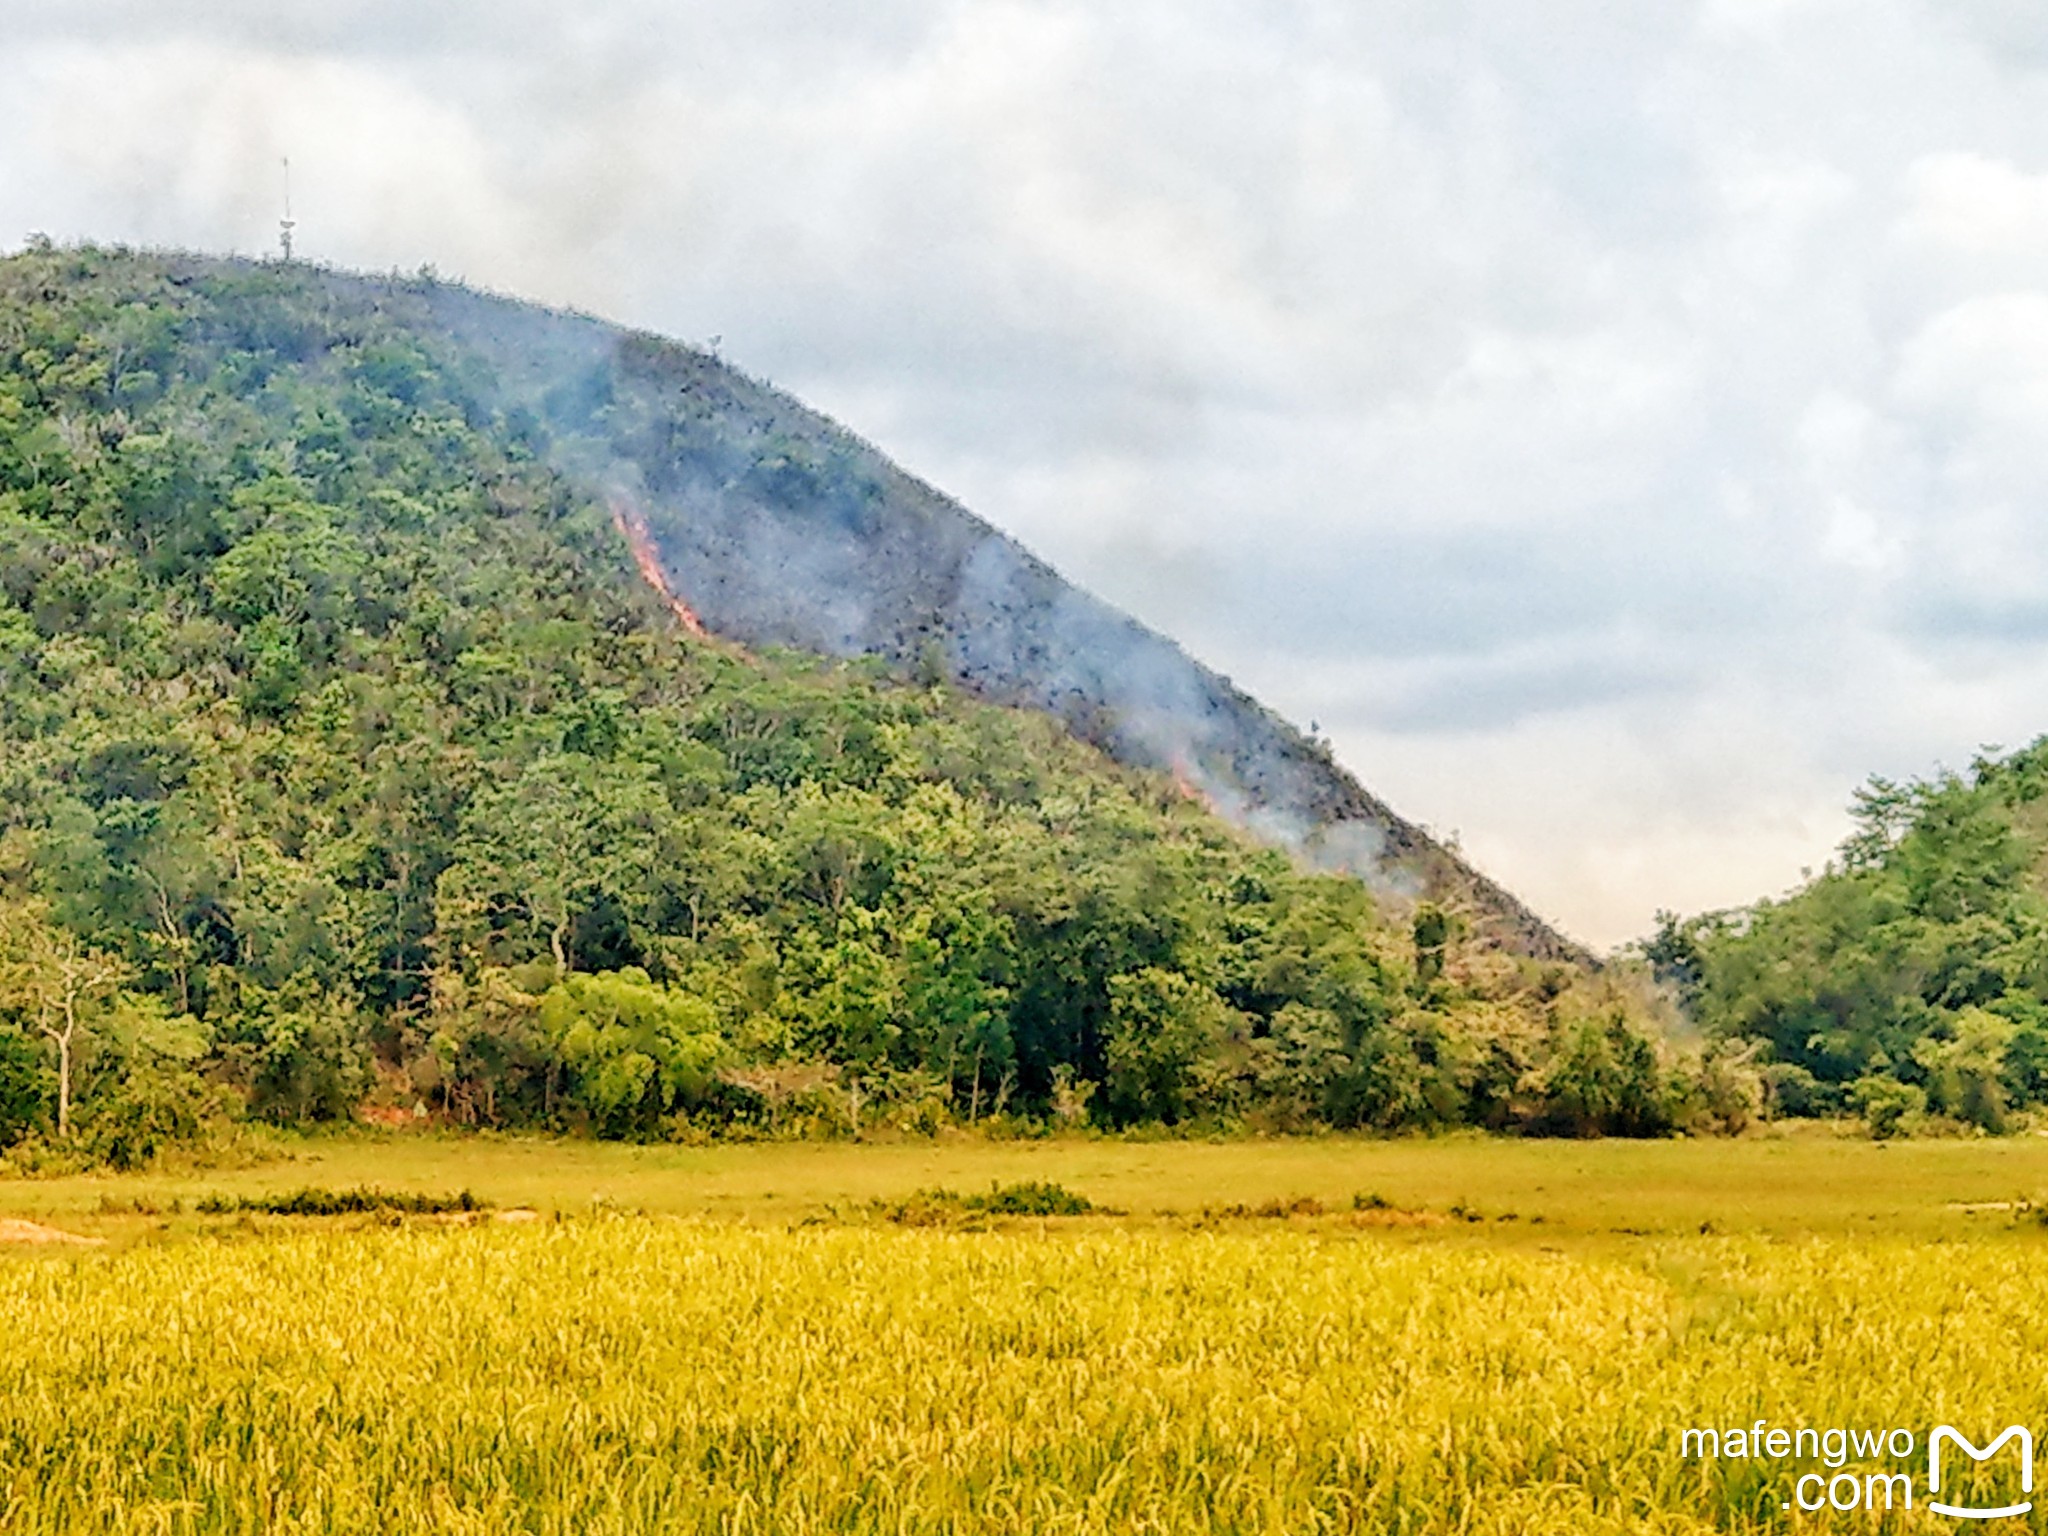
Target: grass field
[(758, 1352), (1546, 1191)]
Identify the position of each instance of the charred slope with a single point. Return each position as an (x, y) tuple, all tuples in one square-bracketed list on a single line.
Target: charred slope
[(772, 525)]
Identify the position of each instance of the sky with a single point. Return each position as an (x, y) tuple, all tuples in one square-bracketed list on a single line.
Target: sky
[(1619, 428)]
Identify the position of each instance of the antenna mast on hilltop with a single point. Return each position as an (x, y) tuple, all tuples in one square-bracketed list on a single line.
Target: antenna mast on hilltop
[(287, 224)]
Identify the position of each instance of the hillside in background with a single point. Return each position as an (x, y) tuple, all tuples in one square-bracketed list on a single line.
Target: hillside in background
[(346, 759), (775, 526), (1909, 978)]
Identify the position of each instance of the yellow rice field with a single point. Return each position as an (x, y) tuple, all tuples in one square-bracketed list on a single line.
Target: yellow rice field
[(649, 1374)]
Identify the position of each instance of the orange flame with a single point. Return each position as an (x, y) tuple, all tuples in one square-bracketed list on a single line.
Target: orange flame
[(1187, 787), (632, 527)]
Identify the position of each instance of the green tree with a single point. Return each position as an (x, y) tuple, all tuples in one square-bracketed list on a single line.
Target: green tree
[(633, 1051), (25, 1091), (1965, 1068), (1161, 1025), (1889, 1107), (1603, 1078)]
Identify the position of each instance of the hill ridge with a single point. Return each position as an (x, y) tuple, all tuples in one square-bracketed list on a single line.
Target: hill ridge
[(730, 493), (894, 567)]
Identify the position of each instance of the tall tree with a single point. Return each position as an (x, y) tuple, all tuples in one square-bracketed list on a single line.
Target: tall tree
[(56, 982)]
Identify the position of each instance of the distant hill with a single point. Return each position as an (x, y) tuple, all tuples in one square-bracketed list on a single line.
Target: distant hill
[(412, 699)]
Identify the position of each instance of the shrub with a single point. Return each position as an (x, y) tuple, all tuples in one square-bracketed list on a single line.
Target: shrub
[(362, 1201), (1889, 1107), (24, 1087), (1033, 1197)]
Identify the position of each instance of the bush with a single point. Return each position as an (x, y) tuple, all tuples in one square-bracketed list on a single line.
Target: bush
[(1161, 1024), (147, 1115), (1790, 1091), (295, 1051), (636, 1052), (1034, 1197), (362, 1201), (1722, 1090), (1604, 1079), (938, 1207), (1889, 1107), (24, 1087)]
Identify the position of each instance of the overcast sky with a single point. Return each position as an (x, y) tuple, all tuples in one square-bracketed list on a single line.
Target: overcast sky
[(1621, 426)]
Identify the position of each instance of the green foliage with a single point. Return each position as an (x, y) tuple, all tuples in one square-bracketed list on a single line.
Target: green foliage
[(633, 1052), (1604, 1079), (1888, 1106), (347, 732), (362, 1201), (26, 1094), (149, 1113), (1920, 962), (1031, 1197), (1432, 929), (295, 1051), (1028, 1197), (1162, 1025)]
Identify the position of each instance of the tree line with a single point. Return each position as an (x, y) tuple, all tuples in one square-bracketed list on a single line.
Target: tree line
[(1908, 982)]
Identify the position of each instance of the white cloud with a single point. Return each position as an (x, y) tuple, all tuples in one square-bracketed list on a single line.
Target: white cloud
[(1972, 205), (1986, 358), (1619, 426), (1857, 539), (199, 134)]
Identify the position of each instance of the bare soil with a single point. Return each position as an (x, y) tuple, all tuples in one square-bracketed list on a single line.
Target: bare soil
[(34, 1232)]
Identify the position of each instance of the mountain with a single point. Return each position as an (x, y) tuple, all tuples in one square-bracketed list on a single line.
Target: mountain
[(411, 698), (772, 525)]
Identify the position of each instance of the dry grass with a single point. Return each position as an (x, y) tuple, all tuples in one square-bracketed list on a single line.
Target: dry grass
[(1608, 1193)]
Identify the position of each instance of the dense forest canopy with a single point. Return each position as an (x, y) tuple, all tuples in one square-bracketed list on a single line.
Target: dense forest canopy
[(1911, 977), (346, 763)]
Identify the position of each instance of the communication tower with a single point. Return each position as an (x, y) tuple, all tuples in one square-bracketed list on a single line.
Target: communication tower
[(287, 224)]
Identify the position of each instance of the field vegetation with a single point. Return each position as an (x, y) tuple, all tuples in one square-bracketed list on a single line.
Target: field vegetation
[(827, 1355), (1539, 1193)]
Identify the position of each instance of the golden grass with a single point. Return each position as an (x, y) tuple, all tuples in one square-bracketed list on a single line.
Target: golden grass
[(647, 1374), (762, 1354), (1607, 1192)]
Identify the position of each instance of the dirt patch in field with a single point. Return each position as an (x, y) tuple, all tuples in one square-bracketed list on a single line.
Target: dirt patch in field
[(33, 1232)]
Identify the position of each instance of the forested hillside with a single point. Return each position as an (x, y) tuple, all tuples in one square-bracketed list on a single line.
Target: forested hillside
[(1910, 978), (775, 526), (346, 765)]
